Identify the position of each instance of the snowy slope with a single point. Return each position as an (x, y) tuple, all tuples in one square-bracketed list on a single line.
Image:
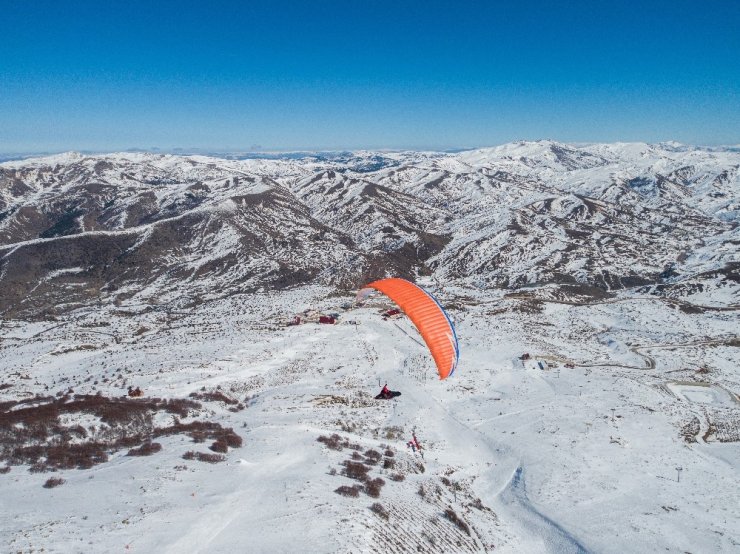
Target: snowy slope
[(529, 460)]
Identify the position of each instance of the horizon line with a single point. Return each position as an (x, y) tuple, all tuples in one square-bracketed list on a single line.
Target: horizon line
[(258, 151)]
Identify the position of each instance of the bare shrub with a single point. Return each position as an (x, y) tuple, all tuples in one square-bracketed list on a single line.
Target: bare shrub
[(393, 433), (389, 453), (54, 482), (373, 487), (446, 481), (397, 476), (211, 458), (334, 442), (389, 463), (379, 510), (453, 517), (351, 491), (4, 470), (355, 470), (231, 438), (214, 396), (373, 456), (528, 306), (146, 449), (219, 446), (347, 427), (204, 457), (32, 431)]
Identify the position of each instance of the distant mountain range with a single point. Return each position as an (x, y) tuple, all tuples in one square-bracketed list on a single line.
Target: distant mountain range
[(586, 220)]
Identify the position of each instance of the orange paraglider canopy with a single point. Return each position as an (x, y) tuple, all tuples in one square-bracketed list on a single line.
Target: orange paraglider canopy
[(427, 314)]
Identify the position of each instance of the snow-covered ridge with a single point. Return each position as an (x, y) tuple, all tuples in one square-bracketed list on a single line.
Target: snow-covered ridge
[(612, 216)]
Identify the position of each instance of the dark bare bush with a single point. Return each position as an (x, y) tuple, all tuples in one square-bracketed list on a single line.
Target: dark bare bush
[(63, 456), (146, 449), (334, 442), (373, 455), (204, 457), (54, 482), (32, 432), (446, 481), (232, 439), (79, 431), (373, 487), (351, 491), (397, 477), (219, 446), (355, 470), (389, 463), (40, 467), (356, 456), (459, 523), (4, 470), (379, 510), (529, 306), (389, 453), (214, 396), (200, 431)]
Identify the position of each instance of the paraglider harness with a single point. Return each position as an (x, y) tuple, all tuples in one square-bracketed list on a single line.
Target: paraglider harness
[(387, 394)]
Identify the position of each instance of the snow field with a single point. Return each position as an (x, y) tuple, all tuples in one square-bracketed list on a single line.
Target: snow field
[(563, 460)]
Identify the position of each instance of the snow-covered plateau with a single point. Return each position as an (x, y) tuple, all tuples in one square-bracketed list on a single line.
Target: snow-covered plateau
[(153, 397)]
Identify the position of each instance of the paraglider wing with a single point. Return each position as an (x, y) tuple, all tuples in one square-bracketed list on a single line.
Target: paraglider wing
[(433, 323)]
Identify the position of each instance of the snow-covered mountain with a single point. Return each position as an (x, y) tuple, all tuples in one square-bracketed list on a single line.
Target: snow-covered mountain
[(78, 229)]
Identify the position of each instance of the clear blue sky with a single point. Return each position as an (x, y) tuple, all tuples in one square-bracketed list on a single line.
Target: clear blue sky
[(108, 75)]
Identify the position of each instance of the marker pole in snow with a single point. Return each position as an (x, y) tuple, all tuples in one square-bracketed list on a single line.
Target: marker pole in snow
[(679, 469)]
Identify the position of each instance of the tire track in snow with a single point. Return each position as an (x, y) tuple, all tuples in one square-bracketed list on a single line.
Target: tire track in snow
[(549, 536)]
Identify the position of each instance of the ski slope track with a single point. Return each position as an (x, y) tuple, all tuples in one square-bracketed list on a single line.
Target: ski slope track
[(153, 397), (543, 534)]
